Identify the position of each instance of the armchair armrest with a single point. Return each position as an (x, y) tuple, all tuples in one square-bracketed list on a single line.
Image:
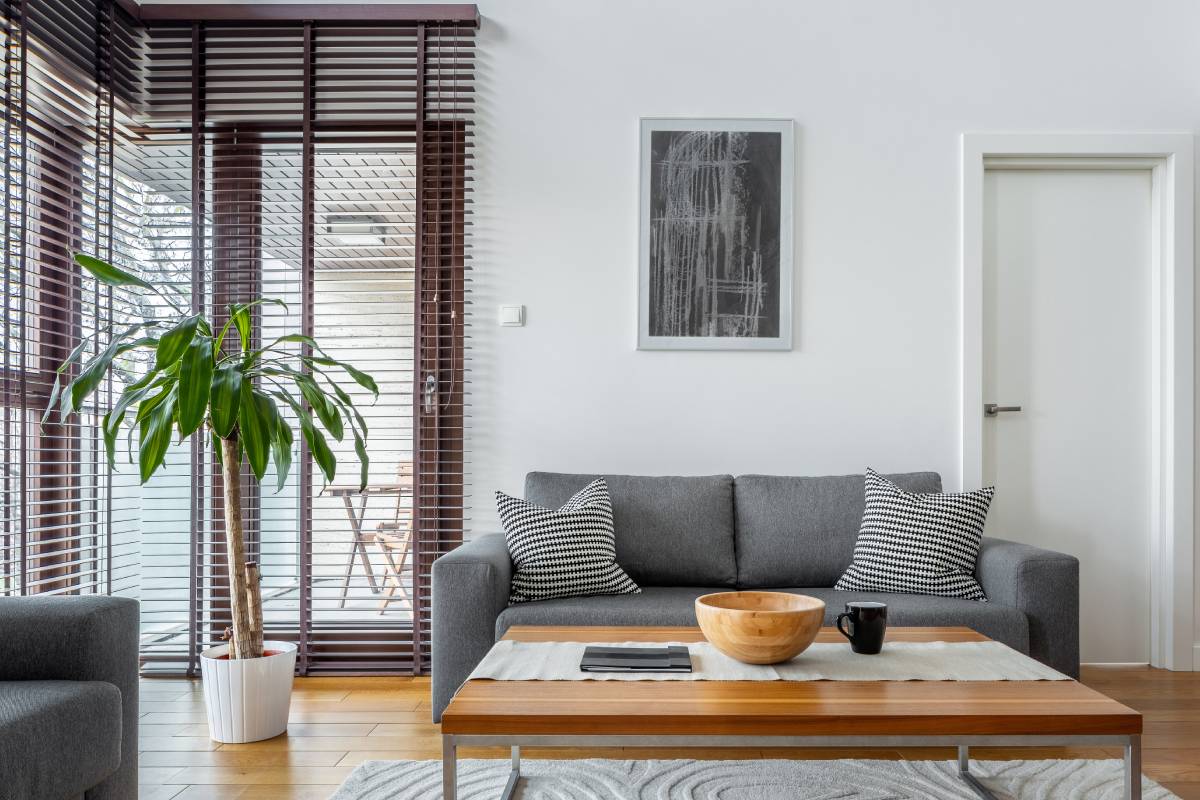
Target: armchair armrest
[(1043, 584), (88, 638), (470, 589)]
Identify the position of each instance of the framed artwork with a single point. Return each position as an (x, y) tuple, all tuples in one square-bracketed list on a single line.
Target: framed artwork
[(715, 234)]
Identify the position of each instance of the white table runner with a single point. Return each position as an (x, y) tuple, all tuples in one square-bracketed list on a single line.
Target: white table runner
[(899, 661)]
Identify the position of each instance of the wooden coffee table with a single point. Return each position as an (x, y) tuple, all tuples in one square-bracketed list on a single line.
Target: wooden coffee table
[(780, 713)]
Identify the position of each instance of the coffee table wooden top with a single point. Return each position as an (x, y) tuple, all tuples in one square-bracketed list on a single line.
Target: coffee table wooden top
[(778, 708)]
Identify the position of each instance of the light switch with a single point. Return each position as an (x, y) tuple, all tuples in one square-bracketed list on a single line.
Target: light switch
[(512, 316)]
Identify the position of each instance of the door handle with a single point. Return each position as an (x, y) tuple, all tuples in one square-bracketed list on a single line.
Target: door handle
[(991, 409)]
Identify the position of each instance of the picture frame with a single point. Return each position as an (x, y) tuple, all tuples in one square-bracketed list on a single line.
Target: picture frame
[(716, 227)]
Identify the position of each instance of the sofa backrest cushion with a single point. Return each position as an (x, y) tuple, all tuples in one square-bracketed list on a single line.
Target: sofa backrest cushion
[(671, 531), (801, 531)]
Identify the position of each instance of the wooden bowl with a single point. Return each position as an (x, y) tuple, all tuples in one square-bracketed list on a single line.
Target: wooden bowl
[(760, 627)]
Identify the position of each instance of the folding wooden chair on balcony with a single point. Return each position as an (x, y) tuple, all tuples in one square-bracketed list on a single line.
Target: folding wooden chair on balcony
[(395, 540)]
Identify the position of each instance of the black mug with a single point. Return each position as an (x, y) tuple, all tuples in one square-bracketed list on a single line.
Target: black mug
[(868, 623)]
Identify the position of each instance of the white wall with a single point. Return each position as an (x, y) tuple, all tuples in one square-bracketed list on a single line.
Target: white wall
[(880, 91)]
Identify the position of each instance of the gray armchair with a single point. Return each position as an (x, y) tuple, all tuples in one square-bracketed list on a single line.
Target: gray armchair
[(68, 698)]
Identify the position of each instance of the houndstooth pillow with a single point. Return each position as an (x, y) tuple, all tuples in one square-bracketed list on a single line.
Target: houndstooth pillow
[(565, 553), (918, 543)]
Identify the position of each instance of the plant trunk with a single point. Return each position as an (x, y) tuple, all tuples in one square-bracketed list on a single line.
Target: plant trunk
[(254, 604), (243, 644)]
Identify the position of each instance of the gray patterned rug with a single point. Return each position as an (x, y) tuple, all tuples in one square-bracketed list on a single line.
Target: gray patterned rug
[(745, 780)]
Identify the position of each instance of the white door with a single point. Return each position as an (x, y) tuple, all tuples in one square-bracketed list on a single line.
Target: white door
[(1067, 337)]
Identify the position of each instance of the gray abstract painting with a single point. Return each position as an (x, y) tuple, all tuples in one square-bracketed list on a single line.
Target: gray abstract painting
[(714, 235)]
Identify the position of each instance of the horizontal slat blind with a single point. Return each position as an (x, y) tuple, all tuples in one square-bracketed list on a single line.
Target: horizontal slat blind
[(323, 163), (443, 218), (65, 516), (310, 138)]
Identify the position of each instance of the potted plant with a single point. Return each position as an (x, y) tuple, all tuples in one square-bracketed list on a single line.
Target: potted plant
[(194, 377)]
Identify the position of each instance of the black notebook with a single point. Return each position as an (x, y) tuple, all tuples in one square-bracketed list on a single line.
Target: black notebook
[(636, 659)]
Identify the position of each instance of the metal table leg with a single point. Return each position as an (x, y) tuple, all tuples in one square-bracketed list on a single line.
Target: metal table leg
[(514, 776), (450, 771), (1133, 768), (964, 772), (449, 768)]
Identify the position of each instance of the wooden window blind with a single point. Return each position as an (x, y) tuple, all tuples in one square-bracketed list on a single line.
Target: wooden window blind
[(68, 66), (325, 162)]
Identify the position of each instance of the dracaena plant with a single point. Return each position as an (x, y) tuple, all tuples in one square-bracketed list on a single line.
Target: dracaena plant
[(194, 377)]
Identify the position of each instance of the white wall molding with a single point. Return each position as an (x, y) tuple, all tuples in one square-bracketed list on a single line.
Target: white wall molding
[(1169, 156)]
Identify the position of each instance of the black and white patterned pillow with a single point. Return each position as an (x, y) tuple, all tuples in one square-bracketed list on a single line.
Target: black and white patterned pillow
[(918, 543), (565, 553)]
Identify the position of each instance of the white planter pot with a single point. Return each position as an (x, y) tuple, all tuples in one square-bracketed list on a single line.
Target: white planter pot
[(248, 698)]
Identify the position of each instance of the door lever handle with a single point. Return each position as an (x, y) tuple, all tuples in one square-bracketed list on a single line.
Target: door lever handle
[(991, 409)]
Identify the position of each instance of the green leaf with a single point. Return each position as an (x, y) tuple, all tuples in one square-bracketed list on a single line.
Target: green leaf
[(109, 427), (361, 378), (291, 338), (341, 393), (254, 423), (146, 407), (360, 448), (156, 435), (327, 412), (224, 399), (55, 393), (89, 378), (74, 356), (298, 338), (240, 316), (87, 381), (113, 419), (195, 384), (56, 390), (145, 380), (281, 448), (217, 451), (233, 317), (145, 341), (291, 401), (175, 342), (348, 406), (107, 273), (318, 446)]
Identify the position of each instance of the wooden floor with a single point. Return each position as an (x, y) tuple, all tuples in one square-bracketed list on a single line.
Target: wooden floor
[(339, 722)]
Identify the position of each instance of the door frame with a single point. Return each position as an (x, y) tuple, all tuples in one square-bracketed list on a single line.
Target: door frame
[(1169, 157)]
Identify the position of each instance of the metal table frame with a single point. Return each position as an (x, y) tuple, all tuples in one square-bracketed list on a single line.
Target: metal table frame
[(451, 743)]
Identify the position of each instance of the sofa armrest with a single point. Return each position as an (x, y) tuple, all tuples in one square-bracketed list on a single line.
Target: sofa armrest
[(470, 589), (88, 638), (1045, 586)]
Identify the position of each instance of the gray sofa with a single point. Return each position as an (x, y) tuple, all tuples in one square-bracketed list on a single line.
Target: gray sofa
[(681, 537), (68, 698)]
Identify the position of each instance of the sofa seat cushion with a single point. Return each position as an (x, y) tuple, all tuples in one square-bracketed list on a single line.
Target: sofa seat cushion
[(58, 738), (1002, 623), (675, 605), (670, 531), (655, 605), (801, 531)]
